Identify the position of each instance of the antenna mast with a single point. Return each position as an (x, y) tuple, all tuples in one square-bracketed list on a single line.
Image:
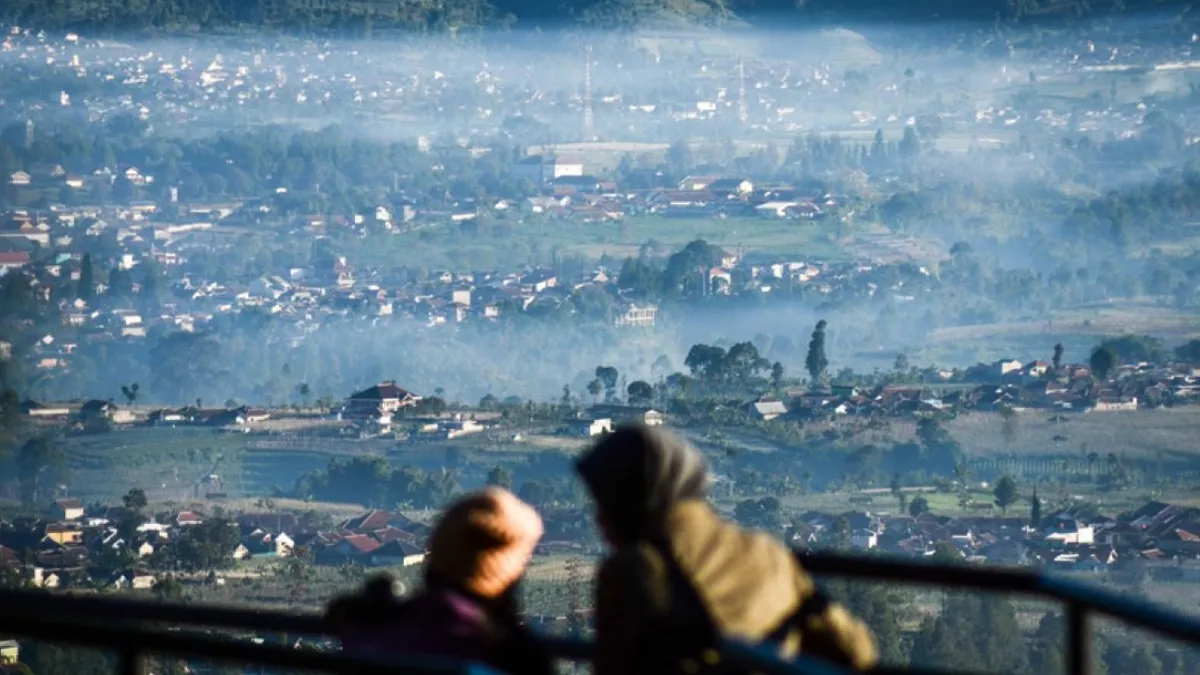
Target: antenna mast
[(743, 115), (588, 126)]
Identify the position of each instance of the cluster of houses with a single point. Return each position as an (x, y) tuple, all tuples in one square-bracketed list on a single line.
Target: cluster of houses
[(1005, 384), (71, 547), (75, 545), (1159, 540), (87, 414), (570, 194)]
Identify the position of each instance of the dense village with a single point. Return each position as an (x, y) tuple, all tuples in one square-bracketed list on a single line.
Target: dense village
[(269, 304), (75, 545)]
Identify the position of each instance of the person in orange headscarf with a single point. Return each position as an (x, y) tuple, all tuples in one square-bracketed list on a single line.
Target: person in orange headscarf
[(468, 608)]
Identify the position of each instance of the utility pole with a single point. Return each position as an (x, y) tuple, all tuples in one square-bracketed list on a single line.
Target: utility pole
[(743, 115), (588, 123)]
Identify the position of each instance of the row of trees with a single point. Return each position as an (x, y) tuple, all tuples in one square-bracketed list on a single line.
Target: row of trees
[(347, 17)]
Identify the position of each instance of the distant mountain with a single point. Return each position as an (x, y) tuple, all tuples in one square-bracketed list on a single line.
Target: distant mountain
[(359, 17)]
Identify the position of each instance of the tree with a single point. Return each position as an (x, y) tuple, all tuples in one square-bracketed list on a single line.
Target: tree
[(595, 388), (40, 463), (777, 374), (1058, 356), (500, 477), (918, 506), (765, 513), (208, 545), (910, 144), (1005, 492), (1035, 510), (608, 376), (816, 362), (536, 493), (897, 488), (135, 499), (87, 278), (640, 392), (303, 391), (168, 589), (1010, 425), (1189, 351), (1103, 360), (945, 554), (130, 393), (706, 361)]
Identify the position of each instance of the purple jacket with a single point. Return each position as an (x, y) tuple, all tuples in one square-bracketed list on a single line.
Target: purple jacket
[(438, 622)]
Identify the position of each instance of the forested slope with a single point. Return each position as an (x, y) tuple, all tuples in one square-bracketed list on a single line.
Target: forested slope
[(366, 16)]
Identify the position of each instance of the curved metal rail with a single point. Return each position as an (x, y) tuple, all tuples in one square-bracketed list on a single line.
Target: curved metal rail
[(136, 627)]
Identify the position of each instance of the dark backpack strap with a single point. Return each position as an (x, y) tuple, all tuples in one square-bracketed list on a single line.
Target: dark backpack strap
[(813, 606), (688, 632)]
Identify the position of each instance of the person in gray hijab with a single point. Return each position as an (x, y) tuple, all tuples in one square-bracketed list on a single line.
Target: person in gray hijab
[(679, 577)]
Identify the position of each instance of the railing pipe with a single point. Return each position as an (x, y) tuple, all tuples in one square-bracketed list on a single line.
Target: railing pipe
[(129, 609), (1079, 640), (133, 662), (1137, 613), (133, 642)]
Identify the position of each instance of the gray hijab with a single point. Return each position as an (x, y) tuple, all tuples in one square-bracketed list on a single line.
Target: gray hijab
[(636, 473)]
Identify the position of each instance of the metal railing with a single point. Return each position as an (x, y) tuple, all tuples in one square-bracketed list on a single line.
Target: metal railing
[(135, 628)]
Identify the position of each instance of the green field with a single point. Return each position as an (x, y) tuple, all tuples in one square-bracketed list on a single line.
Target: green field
[(168, 463), (497, 244)]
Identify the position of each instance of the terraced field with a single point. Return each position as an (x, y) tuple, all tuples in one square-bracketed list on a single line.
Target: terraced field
[(169, 463)]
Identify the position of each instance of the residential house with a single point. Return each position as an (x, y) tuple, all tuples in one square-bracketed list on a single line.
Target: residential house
[(188, 518), (263, 545), (10, 652), (96, 409), (864, 539), (397, 553), (68, 509), (19, 178), (1006, 366), (588, 426), (131, 580), (542, 169), (731, 187), (767, 410), (13, 260), (66, 534), (1068, 531), (383, 397), (1116, 404), (697, 183), (628, 414)]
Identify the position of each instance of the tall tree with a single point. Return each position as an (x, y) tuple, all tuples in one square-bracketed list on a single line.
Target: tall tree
[(595, 388), (639, 392), (816, 362), (1058, 355), (87, 278), (608, 376), (40, 463), (1005, 492), (1035, 510), (1103, 360)]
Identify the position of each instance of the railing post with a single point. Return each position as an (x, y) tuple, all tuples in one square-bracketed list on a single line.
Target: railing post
[(1079, 640), (133, 662)]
